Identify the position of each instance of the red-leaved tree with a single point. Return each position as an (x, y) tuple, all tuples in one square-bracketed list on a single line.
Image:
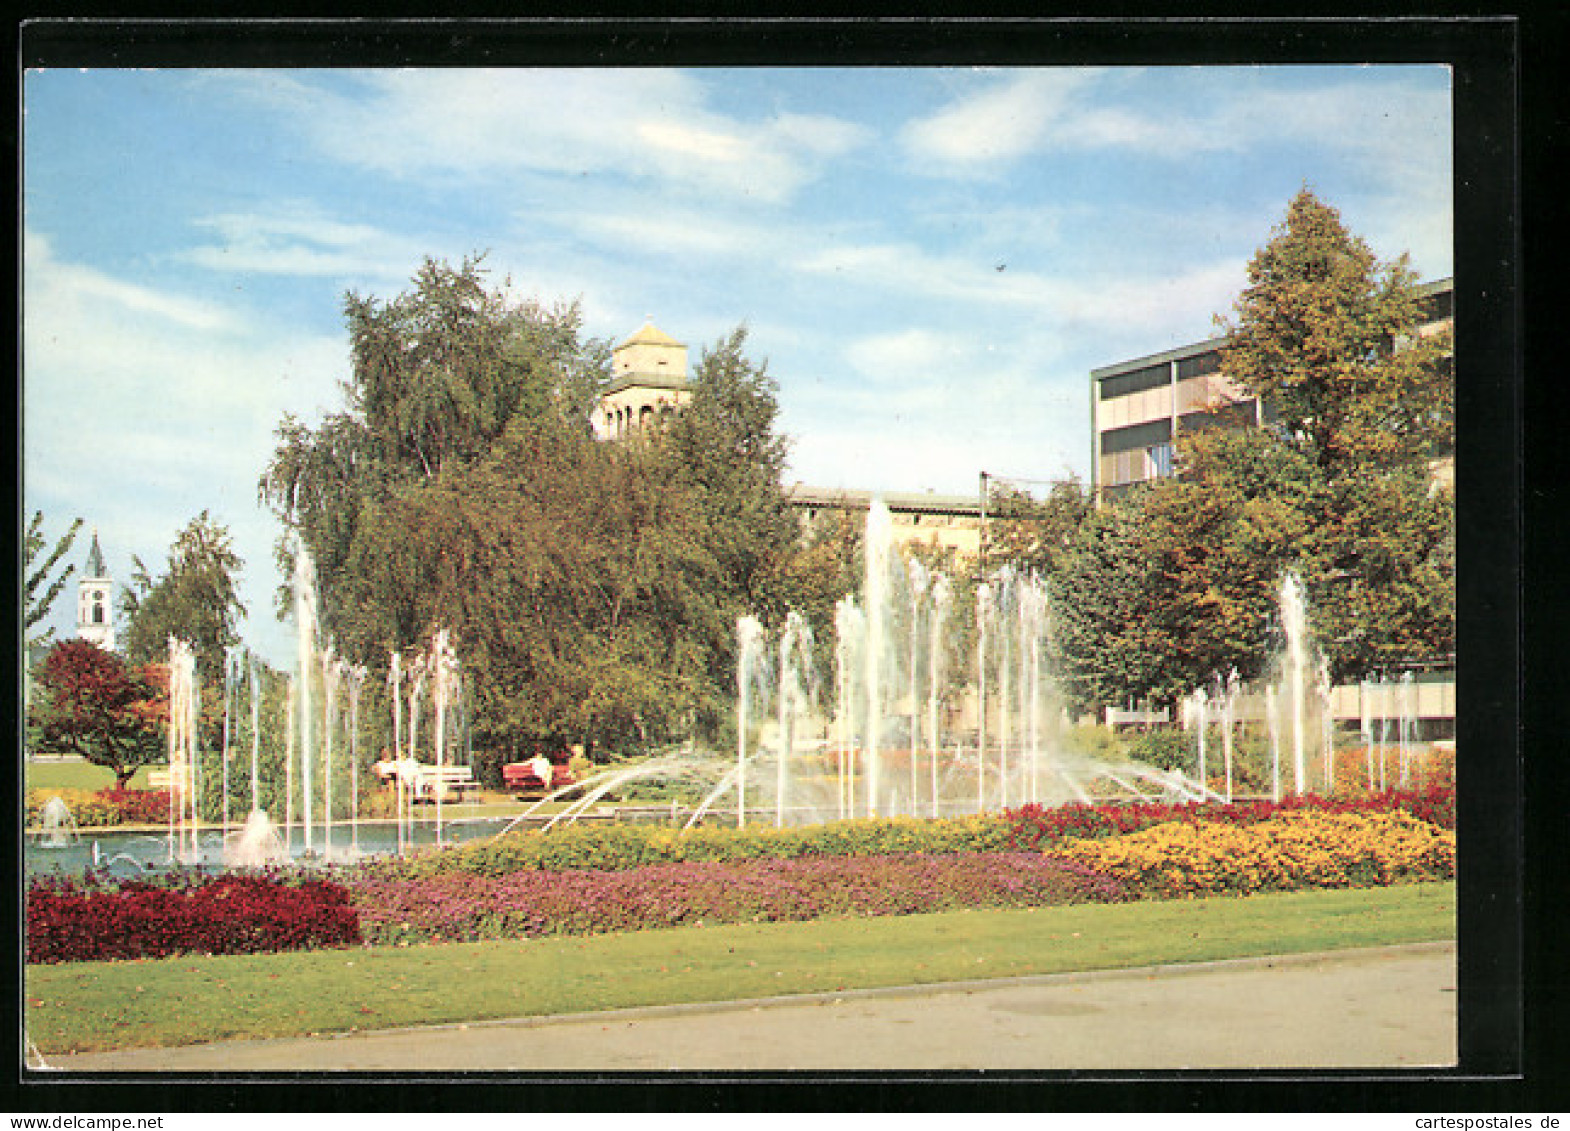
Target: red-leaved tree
[(90, 702)]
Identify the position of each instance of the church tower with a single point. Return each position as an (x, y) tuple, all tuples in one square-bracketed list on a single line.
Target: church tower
[(94, 597), (648, 383)]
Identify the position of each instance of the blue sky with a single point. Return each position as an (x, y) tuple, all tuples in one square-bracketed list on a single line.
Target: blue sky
[(931, 260)]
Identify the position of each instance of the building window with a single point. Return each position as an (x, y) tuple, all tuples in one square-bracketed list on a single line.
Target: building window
[(1126, 384), (1160, 458), (1208, 362)]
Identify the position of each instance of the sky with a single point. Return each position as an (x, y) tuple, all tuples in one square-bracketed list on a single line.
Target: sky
[(930, 260)]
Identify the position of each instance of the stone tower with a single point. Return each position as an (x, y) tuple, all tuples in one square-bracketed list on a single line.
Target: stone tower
[(94, 601), (648, 383)]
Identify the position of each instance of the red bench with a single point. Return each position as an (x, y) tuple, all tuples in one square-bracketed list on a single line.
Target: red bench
[(536, 776)]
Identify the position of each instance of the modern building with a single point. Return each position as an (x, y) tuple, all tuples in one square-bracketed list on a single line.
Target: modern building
[(648, 383), (94, 596), (1140, 408)]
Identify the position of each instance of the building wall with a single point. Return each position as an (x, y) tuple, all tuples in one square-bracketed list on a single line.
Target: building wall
[(1139, 408), (623, 412), (95, 611), (943, 521)]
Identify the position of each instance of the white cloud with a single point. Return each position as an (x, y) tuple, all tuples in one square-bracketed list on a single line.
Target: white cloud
[(1398, 129), (1037, 110), (80, 286), (156, 406), (296, 239), (651, 123)]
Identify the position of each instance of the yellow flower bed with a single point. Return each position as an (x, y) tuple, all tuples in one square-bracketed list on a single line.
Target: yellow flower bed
[(1302, 849), (88, 809)]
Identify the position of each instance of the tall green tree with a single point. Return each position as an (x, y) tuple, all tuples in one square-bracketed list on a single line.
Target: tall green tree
[(195, 599), (436, 375), (592, 588), (43, 586), (1177, 583), (1328, 336), (1333, 340)]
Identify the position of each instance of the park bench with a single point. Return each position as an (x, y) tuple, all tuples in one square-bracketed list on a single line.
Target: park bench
[(535, 778), (162, 779), (444, 782)]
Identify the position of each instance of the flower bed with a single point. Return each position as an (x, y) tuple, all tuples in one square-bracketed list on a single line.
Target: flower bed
[(614, 847), (1309, 848), (82, 920), (457, 907), (104, 808), (1036, 827)]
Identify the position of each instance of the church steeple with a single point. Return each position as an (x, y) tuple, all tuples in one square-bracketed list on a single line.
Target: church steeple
[(95, 559), (94, 593)]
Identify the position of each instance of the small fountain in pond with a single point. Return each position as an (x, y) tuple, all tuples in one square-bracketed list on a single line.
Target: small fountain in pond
[(59, 826), (256, 845)]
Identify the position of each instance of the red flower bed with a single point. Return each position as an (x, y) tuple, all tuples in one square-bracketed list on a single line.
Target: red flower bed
[(464, 907), (1035, 827), (139, 806), (72, 920)]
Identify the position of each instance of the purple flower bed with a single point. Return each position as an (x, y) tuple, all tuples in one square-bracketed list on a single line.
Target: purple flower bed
[(456, 908)]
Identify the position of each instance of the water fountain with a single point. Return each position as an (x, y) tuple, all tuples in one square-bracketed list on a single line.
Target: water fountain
[(59, 826), (257, 844), (838, 761)]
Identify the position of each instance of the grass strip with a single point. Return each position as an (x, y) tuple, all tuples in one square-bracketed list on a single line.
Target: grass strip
[(98, 1006)]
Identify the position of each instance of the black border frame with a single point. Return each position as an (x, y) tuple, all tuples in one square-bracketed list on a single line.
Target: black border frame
[(1506, 943)]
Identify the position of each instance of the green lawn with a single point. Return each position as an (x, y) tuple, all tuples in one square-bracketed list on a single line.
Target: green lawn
[(76, 775), (82, 1007)]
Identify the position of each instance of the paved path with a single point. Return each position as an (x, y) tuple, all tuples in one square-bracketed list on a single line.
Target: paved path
[(1381, 1007)]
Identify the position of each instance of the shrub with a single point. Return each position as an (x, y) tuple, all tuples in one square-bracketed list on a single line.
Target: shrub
[(72, 920), (1309, 848), (619, 846), (139, 806), (455, 907), (1431, 767), (1166, 749), (103, 808)]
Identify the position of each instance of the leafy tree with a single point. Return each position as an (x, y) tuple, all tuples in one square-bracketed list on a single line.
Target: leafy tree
[(1037, 534), (196, 599), (1177, 582), (41, 589), (93, 704), (1327, 336), (723, 448), (437, 374)]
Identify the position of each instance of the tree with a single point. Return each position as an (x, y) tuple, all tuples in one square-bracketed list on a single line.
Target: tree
[(1176, 583), (195, 600), (1037, 534), (41, 589), (93, 704), (1327, 336), (437, 375)]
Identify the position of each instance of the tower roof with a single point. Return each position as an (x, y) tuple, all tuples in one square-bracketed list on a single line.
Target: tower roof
[(95, 560), (650, 335)]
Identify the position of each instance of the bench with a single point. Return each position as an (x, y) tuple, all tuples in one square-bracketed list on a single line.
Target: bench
[(536, 777), (164, 779), (444, 782)]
